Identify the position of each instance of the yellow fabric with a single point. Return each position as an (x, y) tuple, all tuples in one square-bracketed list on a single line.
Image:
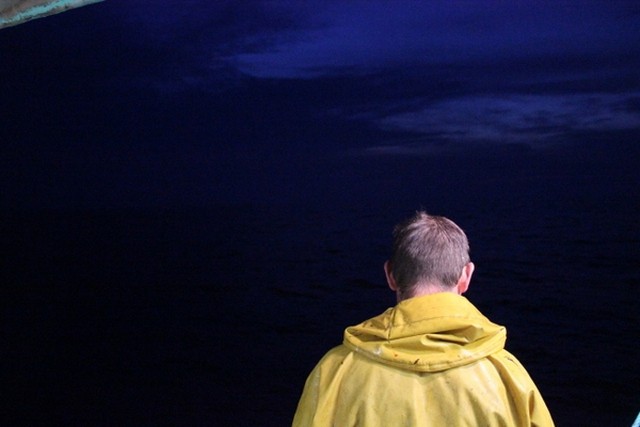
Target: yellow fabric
[(430, 361)]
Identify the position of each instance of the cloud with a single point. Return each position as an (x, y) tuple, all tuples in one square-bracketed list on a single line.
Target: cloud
[(518, 118), (361, 36)]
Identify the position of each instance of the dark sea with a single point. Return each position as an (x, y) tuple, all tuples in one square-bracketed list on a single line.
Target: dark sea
[(215, 315)]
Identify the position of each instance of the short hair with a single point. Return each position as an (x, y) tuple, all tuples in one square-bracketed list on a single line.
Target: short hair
[(428, 249)]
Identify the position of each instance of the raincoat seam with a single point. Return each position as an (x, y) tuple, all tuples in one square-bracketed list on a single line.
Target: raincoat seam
[(433, 367)]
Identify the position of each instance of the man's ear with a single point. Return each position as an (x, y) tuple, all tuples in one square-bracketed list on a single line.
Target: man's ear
[(465, 278), (391, 281)]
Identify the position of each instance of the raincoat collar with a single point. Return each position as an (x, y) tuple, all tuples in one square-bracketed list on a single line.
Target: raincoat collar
[(427, 334)]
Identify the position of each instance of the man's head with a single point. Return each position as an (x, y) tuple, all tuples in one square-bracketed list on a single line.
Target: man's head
[(430, 254)]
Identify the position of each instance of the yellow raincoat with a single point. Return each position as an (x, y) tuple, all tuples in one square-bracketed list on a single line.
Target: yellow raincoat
[(433, 360)]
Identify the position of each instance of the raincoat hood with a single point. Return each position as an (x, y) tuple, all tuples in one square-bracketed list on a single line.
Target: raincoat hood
[(429, 333)]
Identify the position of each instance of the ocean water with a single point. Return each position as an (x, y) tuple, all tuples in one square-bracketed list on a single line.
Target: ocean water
[(215, 316)]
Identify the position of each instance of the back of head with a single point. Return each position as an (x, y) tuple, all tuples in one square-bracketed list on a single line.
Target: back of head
[(428, 250)]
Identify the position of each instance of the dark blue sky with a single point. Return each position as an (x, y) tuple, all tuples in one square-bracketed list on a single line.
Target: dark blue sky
[(171, 102)]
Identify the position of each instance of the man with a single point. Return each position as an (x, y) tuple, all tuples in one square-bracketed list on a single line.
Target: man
[(433, 359)]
